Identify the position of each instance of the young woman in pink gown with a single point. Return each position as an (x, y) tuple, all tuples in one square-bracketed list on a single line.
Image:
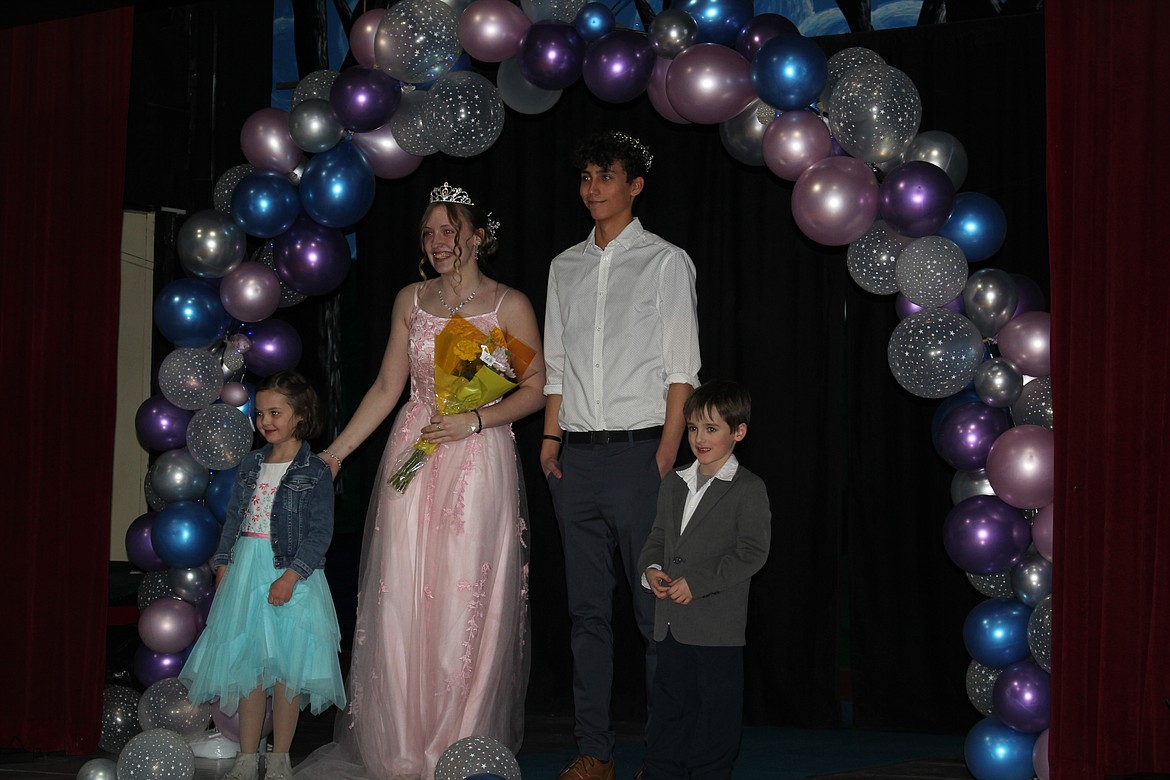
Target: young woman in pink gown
[(440, 646)]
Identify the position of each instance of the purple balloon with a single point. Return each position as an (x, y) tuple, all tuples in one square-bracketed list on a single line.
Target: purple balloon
[(267, 143), (761, 29), (904, 307), (656, 90), (1025, 340), (983, 535), (276, 346), (364, 98), (835, 200), (550, 54), (362, 34), (161, 425), (916, 198), (1042, 531), (708, 84), (311, 258), (139, 549), (387, 159), (1020, 466), (967, 433), (250, 292), (1031, 297), (149, 667), (167, 625), (793, 141), (617, 66), (490, 30), (1021, 697)]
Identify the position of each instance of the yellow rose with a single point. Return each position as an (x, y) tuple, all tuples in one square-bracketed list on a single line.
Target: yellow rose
[(466, 349)]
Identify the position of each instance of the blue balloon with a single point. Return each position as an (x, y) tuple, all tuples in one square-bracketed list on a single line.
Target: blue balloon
[(996, 752), (977, 224), (789, 71), (720, 21), (219, 493), (594, 20), (949, 404), (337, 187), (184, 534), (995, 632), (265, 204), (188, 313)]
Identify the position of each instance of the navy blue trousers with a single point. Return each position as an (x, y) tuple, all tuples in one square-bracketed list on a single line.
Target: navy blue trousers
[(605, 501)]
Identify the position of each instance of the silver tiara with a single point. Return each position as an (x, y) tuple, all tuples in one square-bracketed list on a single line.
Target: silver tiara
[(448, 194), (641, 148)]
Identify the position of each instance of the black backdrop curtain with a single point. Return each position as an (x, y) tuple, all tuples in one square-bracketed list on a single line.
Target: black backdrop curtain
[(857, 577)]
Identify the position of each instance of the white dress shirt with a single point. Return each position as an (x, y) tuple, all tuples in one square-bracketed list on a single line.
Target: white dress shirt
[(620, 326)]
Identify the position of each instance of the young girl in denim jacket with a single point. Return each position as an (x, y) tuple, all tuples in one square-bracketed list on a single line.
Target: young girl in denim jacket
[(272, 629)]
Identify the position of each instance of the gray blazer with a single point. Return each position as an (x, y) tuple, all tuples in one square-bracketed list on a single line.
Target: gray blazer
[(725, 543)]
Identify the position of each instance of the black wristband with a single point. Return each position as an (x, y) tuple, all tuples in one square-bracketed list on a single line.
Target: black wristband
[(550, 437), (479, 420)]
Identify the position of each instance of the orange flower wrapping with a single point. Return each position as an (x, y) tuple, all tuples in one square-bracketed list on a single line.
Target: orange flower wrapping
[(472, 368)]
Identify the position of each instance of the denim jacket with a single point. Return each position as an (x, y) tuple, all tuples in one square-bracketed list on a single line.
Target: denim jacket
[(302, 511)]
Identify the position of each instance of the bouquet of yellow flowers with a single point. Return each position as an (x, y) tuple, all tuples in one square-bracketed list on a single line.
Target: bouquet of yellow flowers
[(472, 368)]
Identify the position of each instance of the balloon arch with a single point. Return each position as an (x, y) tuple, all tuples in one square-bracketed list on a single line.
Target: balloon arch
[(843, 129)]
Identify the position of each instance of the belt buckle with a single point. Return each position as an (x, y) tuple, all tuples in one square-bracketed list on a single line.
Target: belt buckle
[(599, 437)]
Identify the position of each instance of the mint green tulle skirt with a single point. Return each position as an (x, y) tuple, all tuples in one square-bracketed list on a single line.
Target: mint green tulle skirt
[(249, 643)]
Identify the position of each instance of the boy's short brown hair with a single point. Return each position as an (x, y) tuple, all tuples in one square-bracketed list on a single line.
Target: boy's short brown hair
[(729, 399)]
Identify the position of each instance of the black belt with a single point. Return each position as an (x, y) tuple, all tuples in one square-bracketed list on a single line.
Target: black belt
[(613, 437)]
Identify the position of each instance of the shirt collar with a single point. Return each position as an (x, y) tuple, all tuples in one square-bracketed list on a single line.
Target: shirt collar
[(690, 474), (630, 233)]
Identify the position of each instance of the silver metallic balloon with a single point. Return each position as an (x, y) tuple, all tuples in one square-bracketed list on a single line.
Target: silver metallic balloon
[(1032, 578), (931, 271), (672, 32), (191, 584), (965, 484), (464, 113), (1040, 633), (990, 297), (998, 382), (155, 585), (417, 41), (179, 477), (980, 684), (1034, 406), (941, 149), (315, 86), (219, 436), (98, 769), (157, 754), (844, 61), (225, 185), (934, 353), (998, 585), (190, 378), (743, 135), (408, 124), (119, 717), (164, 705), (288, 297), (520, 94), (476, 756), (210, 244), (873, 257), (874, 112), (314, 127), (153, 499), (561, 10)]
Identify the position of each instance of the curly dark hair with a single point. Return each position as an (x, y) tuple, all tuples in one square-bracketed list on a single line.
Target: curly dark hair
[(301, 397), (610, 147)]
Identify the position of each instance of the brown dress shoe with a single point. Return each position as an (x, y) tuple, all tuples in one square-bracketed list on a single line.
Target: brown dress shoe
[(587, 768)]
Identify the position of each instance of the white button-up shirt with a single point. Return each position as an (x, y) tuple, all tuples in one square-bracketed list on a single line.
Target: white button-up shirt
[(620, 326)]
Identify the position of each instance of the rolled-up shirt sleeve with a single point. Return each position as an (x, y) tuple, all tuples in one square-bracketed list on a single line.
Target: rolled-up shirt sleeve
[(680, 325)]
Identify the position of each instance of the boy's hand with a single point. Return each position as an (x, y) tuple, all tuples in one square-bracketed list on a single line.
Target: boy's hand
[(679, 591), (282, 590), (659, 581)]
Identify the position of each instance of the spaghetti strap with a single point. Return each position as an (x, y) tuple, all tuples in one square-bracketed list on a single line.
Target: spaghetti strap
[(500, 299)]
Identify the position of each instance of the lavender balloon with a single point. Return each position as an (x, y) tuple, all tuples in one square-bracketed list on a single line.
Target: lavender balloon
[(361, 36), (656, 91), (310, 258), (138, 547), (1025, 341), (916, 198), (617, 66), (160, 424), (550, 54), (386, 157), (709, 84), (251, 292), (1042, 531), (276, 346), (965, 437), (835, 200), (490, 30), (267, 143), (1022, 697), (1020, 466), (983, 535), (363, 99), (167, 625), (793, 141)]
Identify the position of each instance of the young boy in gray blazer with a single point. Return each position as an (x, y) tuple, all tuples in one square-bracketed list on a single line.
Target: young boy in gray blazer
[(711, 534)]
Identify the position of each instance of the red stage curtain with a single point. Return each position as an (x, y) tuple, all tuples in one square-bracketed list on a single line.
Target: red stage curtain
[(63, 134), (1108, 120)]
